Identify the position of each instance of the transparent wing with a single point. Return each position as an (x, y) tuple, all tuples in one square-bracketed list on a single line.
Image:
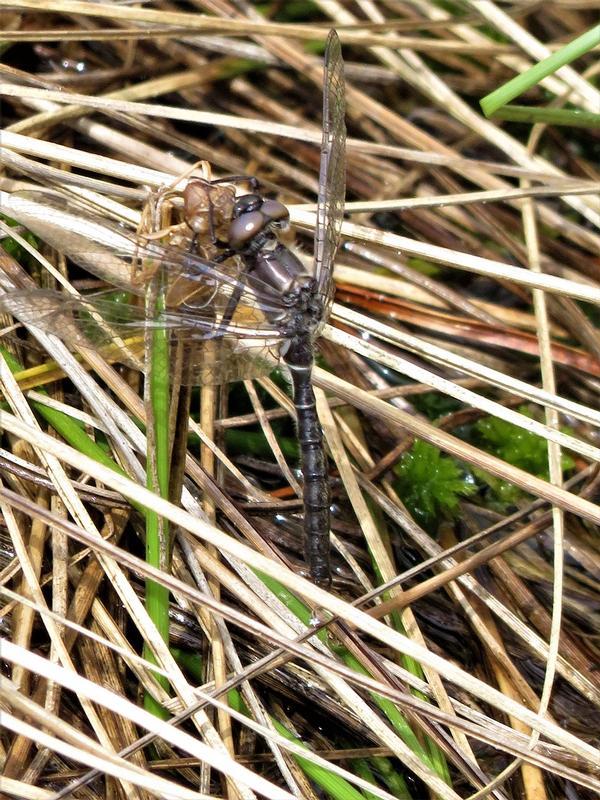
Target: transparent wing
[(117, 255), (213, 352), (332, 173)]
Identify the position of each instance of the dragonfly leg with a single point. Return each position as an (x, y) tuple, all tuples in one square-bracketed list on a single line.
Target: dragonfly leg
[(229, 311), (253, 182)]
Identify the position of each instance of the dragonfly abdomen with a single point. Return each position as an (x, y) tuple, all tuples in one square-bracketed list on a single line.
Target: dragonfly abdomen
[(316, 495)]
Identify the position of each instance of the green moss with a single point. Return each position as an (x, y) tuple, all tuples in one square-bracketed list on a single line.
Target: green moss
[(518, 446), (435, 404), (430, 484)]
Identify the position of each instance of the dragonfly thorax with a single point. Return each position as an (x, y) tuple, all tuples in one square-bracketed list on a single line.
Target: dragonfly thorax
[(276, 266)]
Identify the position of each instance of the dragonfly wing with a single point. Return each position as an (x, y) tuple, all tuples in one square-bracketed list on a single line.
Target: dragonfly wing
[(213, 352), (224, 361), (103, 249), (113, 253), (332, 173)]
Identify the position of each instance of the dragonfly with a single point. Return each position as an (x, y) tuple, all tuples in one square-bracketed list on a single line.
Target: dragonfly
[(251, 303)]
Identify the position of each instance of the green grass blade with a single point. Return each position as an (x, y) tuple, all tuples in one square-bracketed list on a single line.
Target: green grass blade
[(336, 787), (70, 429), (573, 117), (531, 77)]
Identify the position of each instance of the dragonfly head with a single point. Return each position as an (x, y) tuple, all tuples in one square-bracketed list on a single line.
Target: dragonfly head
[(252, 216)]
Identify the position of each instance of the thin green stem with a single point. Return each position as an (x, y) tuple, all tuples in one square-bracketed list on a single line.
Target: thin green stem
[(157, 479)]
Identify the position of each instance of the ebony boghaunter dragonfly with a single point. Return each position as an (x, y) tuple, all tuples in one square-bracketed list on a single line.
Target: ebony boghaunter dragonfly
[(251, 302)]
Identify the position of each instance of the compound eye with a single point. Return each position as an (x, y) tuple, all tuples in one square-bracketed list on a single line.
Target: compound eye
[(243, 229), (246, 203), (275, 211)]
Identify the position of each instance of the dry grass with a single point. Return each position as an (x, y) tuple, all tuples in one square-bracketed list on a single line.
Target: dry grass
[(497, 603)]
